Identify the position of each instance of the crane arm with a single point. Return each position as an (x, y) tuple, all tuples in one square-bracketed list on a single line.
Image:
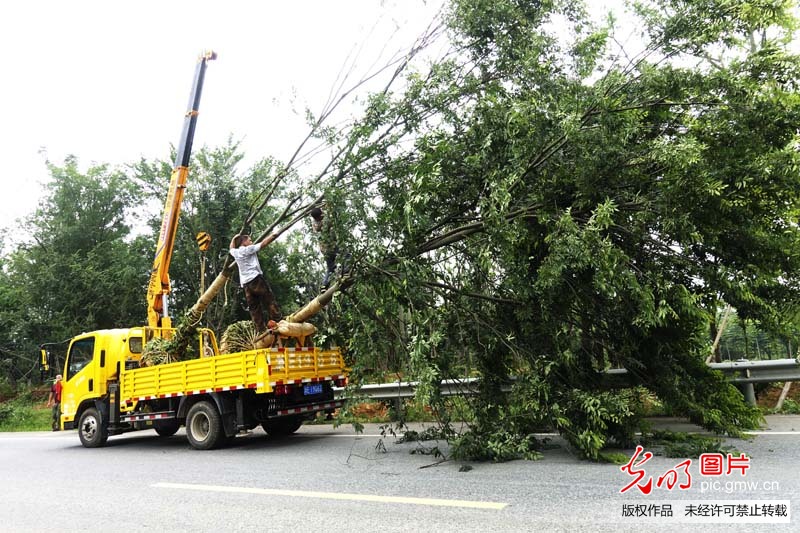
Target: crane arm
[(159, 286)]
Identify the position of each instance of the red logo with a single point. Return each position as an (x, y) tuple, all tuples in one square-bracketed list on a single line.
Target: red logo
[(711, 464), (639, 474)]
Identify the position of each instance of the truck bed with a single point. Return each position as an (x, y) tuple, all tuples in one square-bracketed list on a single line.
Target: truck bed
[(261, 370)]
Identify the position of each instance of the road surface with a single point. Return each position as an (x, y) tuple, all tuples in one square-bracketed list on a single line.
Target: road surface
[(331, 479)]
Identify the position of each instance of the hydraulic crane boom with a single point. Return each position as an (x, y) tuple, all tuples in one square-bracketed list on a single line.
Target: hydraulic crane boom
[(159, 287)]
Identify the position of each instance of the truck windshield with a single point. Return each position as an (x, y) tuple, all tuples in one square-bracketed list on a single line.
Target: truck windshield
[(80, 353)]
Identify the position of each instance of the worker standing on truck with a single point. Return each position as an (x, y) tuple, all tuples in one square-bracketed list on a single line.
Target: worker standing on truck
[(256, 289), (54, 401)]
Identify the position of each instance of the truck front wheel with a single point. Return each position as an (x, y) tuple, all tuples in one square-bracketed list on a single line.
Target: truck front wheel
[(204, 426), (91, 429)]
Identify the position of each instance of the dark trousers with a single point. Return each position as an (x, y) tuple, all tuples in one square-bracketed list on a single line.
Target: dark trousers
[(259, 296), (330, 261), (56, 415)]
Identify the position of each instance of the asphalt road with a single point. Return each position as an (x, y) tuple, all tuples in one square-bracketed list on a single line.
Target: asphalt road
[(326, 479)]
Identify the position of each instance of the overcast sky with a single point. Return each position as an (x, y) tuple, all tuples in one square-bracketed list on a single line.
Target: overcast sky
[(109, 81)]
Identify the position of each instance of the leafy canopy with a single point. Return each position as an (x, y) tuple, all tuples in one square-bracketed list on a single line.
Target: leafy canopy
[(545, 204)]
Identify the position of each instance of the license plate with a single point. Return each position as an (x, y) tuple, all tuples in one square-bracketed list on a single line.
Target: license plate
[(313, 388)]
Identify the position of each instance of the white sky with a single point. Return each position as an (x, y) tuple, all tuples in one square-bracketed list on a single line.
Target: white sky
[(109, 81)]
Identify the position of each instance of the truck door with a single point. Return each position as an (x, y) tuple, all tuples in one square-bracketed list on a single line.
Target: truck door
[(79, 377)]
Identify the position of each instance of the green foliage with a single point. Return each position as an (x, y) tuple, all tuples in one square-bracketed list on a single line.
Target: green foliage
[(790, 407), (22, 414), (689, 445), (158, 352), (497, 445), (616, 458), (5, 412), (429, 433), (80, 266), (529, 205), (346, 415), (589, 421), (707, 398), (74, 268), (550, 212), (746, 339), (217, 200), (6, 389)]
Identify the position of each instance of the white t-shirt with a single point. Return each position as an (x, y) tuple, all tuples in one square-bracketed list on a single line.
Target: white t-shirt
[(247, 259)]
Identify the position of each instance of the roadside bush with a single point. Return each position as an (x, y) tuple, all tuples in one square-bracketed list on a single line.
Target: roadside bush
[(790, 407), (6, 409), (6, 390), (689, 445), (499, 446), (24, 413)]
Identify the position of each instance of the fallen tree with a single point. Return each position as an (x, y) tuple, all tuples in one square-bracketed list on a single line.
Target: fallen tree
[(543, 203)]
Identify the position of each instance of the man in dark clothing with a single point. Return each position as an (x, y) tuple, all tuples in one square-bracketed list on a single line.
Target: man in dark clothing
[(327, 243), (256, 289), (55, 401)]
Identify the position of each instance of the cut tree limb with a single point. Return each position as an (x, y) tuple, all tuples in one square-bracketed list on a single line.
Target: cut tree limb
[(786, 387)]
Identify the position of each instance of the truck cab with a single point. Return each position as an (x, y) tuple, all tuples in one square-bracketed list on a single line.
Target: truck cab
[(93, 360), (96, 360)]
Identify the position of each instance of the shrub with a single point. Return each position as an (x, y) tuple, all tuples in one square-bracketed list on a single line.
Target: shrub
[(21, 414), (790, 407)]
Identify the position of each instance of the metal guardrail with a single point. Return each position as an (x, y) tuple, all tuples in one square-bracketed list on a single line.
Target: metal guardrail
[(405, 389), (744, 371), (739, 372), (760, 371)]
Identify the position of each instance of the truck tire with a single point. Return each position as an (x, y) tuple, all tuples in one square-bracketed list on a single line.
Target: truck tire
[(91, 429), (166, 428), (204, 426), (281, 427)]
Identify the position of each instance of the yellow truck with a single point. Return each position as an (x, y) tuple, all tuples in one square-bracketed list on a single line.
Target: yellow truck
[(215, 396), (107, 391)]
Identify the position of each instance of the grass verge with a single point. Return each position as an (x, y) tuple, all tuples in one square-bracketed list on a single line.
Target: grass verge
[(21, 414)]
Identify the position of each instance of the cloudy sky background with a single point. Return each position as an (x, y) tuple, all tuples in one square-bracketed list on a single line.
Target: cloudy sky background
[(109, 81)]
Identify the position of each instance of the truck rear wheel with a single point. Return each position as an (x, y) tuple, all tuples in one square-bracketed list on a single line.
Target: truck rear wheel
[(204, 426), (166, 428), (91, 429), (280, 427)]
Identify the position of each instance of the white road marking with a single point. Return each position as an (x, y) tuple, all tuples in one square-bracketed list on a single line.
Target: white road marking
[(772, 432), (387, 436), (336, 496), (28, 436), (326, 435)]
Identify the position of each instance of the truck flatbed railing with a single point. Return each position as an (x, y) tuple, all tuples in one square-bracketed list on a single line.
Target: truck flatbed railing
[(289, 365), (262, 370)]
